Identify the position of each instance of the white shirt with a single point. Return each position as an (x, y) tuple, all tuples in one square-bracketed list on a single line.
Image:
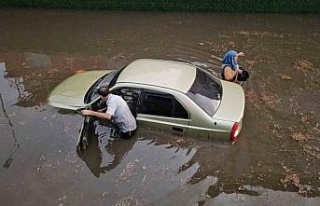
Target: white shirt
[(121, 113)]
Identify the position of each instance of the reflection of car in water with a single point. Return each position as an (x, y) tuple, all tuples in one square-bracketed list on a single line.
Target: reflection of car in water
[(175, 96), (93, 133)]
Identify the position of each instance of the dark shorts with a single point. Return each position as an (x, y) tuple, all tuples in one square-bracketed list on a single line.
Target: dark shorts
[(127, 135)]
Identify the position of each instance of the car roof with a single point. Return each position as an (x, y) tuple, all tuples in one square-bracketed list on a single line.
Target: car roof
[(161, 73)]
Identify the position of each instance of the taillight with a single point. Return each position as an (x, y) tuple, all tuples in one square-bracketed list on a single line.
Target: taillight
[(234, 132)]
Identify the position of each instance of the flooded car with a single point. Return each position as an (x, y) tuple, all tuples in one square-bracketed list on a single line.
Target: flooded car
[(171, 95)]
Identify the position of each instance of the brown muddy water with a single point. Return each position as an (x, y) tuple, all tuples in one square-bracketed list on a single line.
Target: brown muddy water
[(274, 162)]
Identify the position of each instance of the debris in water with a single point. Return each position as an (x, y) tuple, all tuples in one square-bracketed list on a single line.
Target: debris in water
[(299, 137), (285, 77)]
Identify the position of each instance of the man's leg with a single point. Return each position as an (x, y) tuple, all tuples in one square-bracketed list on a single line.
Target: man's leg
[(127, 135)]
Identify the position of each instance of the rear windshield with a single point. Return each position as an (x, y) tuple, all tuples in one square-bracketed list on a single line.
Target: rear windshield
[(206, 91)]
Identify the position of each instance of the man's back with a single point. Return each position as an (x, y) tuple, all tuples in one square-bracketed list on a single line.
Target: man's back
[(121, 113)]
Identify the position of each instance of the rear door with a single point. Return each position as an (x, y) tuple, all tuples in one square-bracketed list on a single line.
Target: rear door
[(162, 110)]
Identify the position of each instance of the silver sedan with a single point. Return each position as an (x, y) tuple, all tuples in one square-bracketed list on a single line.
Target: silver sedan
[(171, 95)]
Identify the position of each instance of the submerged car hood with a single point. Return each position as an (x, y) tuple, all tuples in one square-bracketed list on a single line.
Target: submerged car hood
[(232, 103), (70, 93)]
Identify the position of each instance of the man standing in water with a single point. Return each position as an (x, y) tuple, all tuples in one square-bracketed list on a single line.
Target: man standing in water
[(117, 110), (230, 68)]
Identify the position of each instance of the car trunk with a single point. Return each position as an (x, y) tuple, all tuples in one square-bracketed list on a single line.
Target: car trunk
[(232, 102)]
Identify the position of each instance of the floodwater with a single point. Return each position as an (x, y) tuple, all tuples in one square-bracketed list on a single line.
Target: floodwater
[(274, 162)]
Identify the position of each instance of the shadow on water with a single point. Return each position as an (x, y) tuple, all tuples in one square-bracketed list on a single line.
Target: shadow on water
[(274, 161)]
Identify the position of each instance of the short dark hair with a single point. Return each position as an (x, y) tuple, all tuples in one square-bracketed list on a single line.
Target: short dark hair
[(103, 91)]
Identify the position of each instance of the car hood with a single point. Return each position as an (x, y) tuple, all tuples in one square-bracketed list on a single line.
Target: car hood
[(70, 93), (232, 103)]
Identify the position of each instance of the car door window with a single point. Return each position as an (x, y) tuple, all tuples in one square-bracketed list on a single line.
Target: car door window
[(162, 104), (131, 96)]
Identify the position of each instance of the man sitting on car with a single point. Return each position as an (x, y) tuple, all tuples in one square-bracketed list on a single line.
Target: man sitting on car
[(117, 110)]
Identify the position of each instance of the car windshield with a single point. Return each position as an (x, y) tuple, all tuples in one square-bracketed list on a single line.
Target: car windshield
[(206, 91), (108, 79)]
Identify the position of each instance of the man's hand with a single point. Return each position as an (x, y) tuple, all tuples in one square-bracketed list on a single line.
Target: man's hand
[(86, 112), (240, 54), (239, 71), (101, 115)]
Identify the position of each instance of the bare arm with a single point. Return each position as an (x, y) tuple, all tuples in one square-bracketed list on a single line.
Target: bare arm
[(240, 54), (101, 115)]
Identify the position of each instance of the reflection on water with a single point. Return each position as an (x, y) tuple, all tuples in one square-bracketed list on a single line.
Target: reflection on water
[(262, 197), (99, 139), (151, 163), (38, 61), (5, 118), (278, 148)]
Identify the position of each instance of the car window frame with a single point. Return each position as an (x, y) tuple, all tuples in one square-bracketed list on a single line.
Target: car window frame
[(118, 91), (165, 95), (92, 92)]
